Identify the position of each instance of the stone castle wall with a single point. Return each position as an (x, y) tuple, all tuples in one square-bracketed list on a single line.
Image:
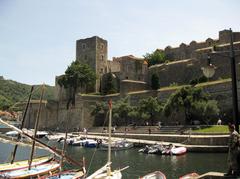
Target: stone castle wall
[(182, 72), (54, 115), (127, 86), (185, 51)]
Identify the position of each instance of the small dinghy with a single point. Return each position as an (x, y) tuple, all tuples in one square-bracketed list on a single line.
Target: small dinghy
[(178, 150), (189, 176), (154, 175)]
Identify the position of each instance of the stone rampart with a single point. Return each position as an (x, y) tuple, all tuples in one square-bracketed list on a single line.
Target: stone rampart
[(54, 115), (182, 72)]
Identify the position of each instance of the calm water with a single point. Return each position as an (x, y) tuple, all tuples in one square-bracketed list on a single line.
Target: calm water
[(139, 164)]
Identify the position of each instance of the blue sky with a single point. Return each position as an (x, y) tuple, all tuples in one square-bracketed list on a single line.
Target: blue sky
[(37, 37)]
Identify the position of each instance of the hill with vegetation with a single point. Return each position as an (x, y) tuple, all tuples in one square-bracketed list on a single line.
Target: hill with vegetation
[(12, 92)]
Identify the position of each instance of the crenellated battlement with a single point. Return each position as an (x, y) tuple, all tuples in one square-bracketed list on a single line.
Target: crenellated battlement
[(185, 51)]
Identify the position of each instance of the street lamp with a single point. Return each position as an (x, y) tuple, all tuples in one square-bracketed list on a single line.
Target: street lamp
[(209, 70), (234, 79)]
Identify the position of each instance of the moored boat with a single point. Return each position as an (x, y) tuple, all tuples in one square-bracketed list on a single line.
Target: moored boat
[(154, 175), (178, 150), (37, 170), (24, 164), (117, 145), (66, 175), (163, 150)]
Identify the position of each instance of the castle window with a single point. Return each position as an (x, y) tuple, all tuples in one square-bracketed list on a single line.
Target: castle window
[(101, 70), (102, 46), (83, 46), (102, 57)]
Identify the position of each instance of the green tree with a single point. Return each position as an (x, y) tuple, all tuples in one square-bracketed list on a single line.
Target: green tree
[(149, 109), (109, 84), (193, 101), (4, 103), (206, 111), (77, 75), (100, 111), (155, 82), (155, 57), (121, 110)]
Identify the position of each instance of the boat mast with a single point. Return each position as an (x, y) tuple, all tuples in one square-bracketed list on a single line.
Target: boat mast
[(22, 125), (36, 126), (69, 107), (109, 136)]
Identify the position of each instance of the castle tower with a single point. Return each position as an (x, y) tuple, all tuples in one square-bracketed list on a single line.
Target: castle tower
[(93, 51)]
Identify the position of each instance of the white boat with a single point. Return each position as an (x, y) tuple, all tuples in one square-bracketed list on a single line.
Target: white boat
[(154, 175), (105, 172), (84, 142), (55, 137), (39, 134), (12, 133), (117, 145)]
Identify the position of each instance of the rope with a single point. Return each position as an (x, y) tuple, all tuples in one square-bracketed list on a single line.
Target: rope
[(91, 161)]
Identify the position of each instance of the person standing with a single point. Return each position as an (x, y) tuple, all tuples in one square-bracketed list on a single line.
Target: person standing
[(233, 150)]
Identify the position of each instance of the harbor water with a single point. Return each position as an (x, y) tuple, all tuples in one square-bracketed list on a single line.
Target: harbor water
[(139, 163)]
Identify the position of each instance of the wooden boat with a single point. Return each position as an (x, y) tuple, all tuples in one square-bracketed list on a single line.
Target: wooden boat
[(24, 164), (66, 175), (154, 175), (37, 170), (189, 176)]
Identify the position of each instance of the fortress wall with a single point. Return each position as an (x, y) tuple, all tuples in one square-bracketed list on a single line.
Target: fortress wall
[(55, 116), (182, 72), (176, 72), (185, 51), (127, 86)]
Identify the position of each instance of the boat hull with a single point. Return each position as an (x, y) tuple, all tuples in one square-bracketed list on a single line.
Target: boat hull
[(24, 164), (154, 175), (34, 171)]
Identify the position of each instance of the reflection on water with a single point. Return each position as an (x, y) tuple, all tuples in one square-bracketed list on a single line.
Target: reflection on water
[(139, 163)]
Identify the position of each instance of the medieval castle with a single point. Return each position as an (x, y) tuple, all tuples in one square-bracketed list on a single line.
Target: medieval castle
[(134, 75)]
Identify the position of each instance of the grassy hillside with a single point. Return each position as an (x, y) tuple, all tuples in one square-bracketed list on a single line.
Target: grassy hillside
[(12, 92)]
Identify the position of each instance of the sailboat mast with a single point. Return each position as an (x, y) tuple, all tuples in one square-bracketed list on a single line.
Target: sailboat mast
[(22, 124), (36, 127), (109, 130)]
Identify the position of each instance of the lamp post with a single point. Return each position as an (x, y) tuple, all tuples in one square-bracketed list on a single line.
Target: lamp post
[(234, 79)]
